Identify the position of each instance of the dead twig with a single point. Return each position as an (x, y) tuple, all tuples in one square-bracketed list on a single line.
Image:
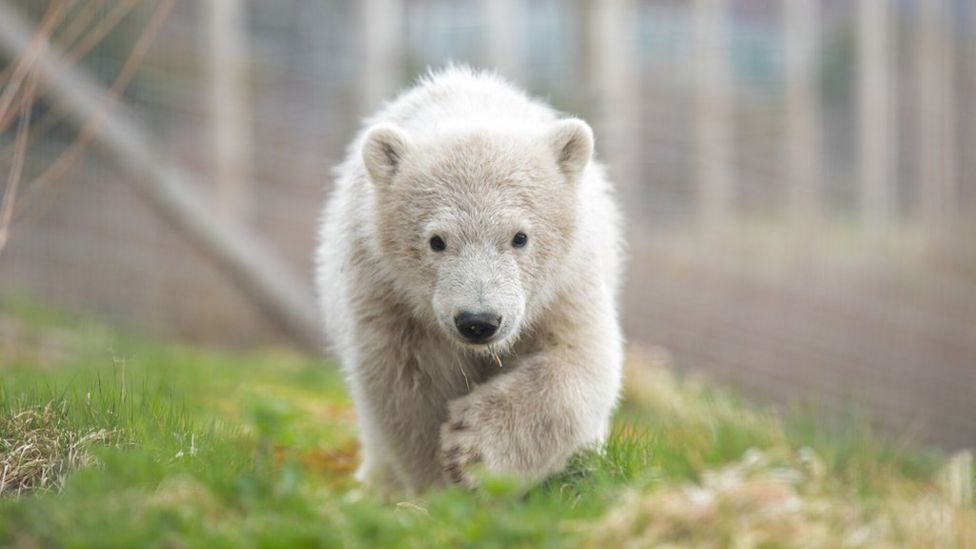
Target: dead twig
[(76, 43), (16, 169), (67, 159), (38, 44)]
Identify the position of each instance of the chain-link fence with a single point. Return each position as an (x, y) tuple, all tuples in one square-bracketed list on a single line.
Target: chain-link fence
[(797, 175)]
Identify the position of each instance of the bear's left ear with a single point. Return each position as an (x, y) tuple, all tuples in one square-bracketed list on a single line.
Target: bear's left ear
[(571, 141)]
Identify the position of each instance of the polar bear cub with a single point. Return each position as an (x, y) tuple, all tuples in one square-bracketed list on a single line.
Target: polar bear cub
[(468, 268)]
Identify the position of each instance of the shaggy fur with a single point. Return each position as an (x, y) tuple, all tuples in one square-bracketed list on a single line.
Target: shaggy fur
[(468, 158)]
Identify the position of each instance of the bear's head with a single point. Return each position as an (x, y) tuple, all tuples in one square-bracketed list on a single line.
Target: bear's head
[(478, 222)]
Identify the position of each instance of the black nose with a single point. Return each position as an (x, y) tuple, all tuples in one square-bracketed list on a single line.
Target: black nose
[(477, 327)]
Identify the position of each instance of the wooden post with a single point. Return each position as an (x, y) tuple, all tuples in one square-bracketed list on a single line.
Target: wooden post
[(613, 72), (242, 256), (714, 113), (968, 171), (878, 129), (804, 152), (502, 39), (229, 106), (231, 119), (937, 155), (382, 31)]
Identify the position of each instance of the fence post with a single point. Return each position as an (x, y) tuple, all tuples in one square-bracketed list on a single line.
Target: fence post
[(878, 129), (382, 32), (230, 113), (714, 112), (968, 171), (804, 152), (502, 38), (936, 147), (612, 69)]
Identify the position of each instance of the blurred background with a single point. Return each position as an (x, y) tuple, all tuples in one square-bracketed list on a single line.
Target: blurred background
[(796, 174)]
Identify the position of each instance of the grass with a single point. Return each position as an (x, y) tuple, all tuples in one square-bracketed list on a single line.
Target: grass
[(108, 440)]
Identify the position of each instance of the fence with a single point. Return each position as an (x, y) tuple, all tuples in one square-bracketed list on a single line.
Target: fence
[(795, 173)]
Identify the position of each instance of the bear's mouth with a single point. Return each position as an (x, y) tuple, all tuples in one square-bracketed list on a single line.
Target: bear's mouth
[(497, 342), (479, 344)]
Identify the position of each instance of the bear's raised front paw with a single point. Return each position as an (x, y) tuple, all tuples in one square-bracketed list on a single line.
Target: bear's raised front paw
[(460, 445)]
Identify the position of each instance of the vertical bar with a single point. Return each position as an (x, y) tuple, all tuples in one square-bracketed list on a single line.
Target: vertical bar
[(967, 203), (804, 134), (714, 112), (382, 31), (614, 72), (502, 40), (937, 155), (877, 132), (967, 106), (232, 136)]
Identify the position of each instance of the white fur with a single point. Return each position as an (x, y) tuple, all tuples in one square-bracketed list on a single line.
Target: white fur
[(466, 156)]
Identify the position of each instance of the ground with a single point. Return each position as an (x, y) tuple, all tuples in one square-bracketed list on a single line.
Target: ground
[(118, 440)]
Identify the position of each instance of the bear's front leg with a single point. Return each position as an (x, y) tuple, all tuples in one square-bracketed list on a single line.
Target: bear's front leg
[(405, 415), (400, 407), (528, 422)]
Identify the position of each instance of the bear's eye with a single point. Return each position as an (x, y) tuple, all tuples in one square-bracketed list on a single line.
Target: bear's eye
[(520, 239), (437, 244)]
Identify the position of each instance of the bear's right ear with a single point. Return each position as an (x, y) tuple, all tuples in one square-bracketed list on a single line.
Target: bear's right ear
[(383, 151)]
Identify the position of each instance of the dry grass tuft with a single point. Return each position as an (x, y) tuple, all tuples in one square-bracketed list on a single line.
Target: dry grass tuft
[(779, 495), (764, 500), (38, 449)]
